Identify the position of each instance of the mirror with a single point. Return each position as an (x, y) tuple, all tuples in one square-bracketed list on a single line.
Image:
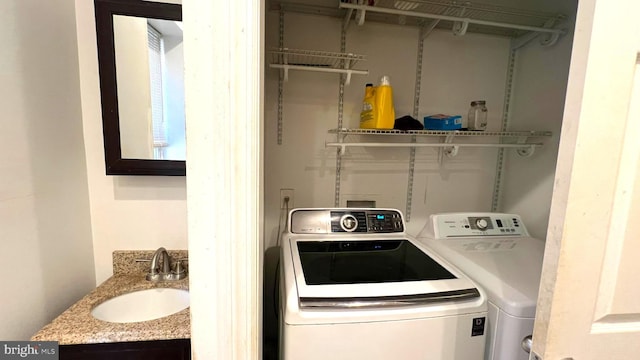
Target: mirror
[(141, 65)]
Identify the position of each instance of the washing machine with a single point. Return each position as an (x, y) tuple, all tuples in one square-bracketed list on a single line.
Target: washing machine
[(354, 285), (496, 251)]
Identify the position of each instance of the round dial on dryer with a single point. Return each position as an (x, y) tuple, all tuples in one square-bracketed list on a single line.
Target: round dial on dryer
[(482, 224), (348, 222)]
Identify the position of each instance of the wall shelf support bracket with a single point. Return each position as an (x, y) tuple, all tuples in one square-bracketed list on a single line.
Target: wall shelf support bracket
[(360, 14), (347, 20), (347, 77), (285, 67), (449, 151), (552, 38), (549, 40), (460, 27), (426, 30), (546, 39), (527, 149)]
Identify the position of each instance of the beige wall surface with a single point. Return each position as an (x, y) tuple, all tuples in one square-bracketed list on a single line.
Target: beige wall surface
[(45, 226), (456, 70), (540, 83)]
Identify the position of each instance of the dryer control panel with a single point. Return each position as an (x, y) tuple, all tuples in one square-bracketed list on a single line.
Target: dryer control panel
[(456, 225), (345, 220)]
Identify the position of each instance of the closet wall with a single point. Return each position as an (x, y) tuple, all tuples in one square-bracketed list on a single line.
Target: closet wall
[(538, 103), (456, 70)]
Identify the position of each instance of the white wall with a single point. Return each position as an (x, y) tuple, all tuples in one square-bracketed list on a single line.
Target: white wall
[(45, 228), (537, 104), (456, 70), (127, 212)]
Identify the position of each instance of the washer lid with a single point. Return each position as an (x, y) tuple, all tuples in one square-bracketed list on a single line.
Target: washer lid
[(366, 261), (370, 269), (508, 269)]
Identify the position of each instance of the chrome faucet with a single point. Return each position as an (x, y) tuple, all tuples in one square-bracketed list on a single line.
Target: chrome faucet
[(162, 271), (166, 267)]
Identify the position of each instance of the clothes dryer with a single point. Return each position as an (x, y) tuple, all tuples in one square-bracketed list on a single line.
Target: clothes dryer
[(496, 251)]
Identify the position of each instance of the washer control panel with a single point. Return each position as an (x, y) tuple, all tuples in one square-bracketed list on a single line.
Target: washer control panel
[(345, 220), (476, 224)]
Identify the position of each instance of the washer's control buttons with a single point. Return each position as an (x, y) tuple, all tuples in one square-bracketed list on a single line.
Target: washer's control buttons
[(348, 223), (482, 224)]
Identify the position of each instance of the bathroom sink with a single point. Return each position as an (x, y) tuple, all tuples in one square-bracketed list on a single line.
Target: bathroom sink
[(142, 305)]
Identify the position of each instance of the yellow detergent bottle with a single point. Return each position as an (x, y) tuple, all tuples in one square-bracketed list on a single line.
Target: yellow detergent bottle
[(377, 110)]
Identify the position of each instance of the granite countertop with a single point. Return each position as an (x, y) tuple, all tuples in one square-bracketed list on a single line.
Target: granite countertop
[(76, 325)]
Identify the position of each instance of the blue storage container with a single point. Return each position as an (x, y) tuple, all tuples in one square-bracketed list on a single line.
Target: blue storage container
[(443, 122)]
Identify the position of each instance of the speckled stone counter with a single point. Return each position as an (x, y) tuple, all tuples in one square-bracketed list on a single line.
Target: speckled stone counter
[(77, 326)]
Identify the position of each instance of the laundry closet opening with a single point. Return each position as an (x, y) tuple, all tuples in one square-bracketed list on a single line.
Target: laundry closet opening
[(321, 54)]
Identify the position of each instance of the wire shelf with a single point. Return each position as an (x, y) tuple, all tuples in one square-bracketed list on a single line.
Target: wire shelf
[(482, 18), (318, 61), (315, 58), (507, 139), (459, 16), (455, 133), (471, 10)]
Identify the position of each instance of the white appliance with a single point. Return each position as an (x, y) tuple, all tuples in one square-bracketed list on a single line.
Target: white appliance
[(354, 285), (496, 251)]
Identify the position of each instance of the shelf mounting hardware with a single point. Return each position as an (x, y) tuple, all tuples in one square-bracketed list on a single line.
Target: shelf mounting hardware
[(545, 40), (505, 122), (550, 39), (340, 137), (526, 150), (460, 27), (280, 78), (426, 30), (360, 14), (451, 151), (347, 20)]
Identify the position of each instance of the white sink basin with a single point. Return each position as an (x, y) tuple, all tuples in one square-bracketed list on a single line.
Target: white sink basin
[(142, 305)]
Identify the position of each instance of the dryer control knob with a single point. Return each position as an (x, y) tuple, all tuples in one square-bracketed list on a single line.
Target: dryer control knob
[(481, 224), (348, 223)]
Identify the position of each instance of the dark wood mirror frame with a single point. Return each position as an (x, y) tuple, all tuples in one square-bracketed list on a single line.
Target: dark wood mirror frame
[(104, 11)]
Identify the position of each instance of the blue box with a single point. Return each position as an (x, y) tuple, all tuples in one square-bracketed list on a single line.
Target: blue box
[(443, 122)]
